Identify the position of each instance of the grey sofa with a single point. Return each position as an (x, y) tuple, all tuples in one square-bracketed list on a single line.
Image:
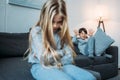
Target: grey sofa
[(13, 67), (106, 66)]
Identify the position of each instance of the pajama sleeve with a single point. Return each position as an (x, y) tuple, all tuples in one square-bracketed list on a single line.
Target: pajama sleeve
[(74, 40), (67, 55), (36, 44)]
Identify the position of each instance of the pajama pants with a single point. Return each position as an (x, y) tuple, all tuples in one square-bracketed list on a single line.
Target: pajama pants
[(68, 72)]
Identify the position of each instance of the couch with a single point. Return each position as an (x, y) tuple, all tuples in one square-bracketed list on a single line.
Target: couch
[(107, 66), (14, 67), (12, 64)]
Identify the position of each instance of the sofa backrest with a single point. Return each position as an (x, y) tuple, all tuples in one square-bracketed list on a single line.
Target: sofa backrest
[(13, 44)]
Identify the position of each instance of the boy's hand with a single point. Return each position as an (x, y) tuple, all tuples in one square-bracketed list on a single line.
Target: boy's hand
[(76, 32), (90, 32)]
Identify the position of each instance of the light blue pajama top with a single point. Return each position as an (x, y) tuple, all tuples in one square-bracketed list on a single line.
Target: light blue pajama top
[(38, 49)]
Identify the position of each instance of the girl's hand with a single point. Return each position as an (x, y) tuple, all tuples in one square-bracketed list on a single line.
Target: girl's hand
[(59, 65)]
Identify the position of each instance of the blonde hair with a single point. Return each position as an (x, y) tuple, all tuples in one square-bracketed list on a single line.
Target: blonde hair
[(49, 10)]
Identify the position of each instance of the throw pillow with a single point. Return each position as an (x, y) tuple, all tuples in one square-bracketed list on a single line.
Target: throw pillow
[(102, 42)]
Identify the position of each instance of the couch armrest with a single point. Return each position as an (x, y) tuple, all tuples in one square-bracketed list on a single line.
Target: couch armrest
[(113, 50)]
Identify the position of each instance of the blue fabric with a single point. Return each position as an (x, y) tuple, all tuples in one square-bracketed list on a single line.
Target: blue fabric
[(38, 49), (90, 46), (68, 72), (102, 42), (86, 47)]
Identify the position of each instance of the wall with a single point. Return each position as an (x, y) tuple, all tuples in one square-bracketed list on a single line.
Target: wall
[(81, 14), (2, 15), (16, 18)]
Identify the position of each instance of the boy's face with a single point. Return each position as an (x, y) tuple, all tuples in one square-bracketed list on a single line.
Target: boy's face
[(83, 35), (57, 22)]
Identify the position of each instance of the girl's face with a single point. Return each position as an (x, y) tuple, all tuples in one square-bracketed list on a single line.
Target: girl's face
[(57, 22), (83, 35)]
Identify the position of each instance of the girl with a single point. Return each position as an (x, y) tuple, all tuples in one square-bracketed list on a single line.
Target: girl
[(51, 50)]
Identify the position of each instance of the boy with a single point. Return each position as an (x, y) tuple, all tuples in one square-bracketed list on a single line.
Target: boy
[(84, 41)]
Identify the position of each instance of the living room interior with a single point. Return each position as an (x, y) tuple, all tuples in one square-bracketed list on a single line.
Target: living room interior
[(18, 18)]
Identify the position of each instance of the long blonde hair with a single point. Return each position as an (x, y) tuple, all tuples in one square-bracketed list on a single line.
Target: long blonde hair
[(49, 10)]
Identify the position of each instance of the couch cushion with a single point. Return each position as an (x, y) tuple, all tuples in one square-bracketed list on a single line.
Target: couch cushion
[(14, 69), (100, 60), (13, 44), (83, 61)]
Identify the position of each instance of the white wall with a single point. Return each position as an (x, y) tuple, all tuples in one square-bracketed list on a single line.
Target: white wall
[(80, 12), (2, 15), (16, 18)]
